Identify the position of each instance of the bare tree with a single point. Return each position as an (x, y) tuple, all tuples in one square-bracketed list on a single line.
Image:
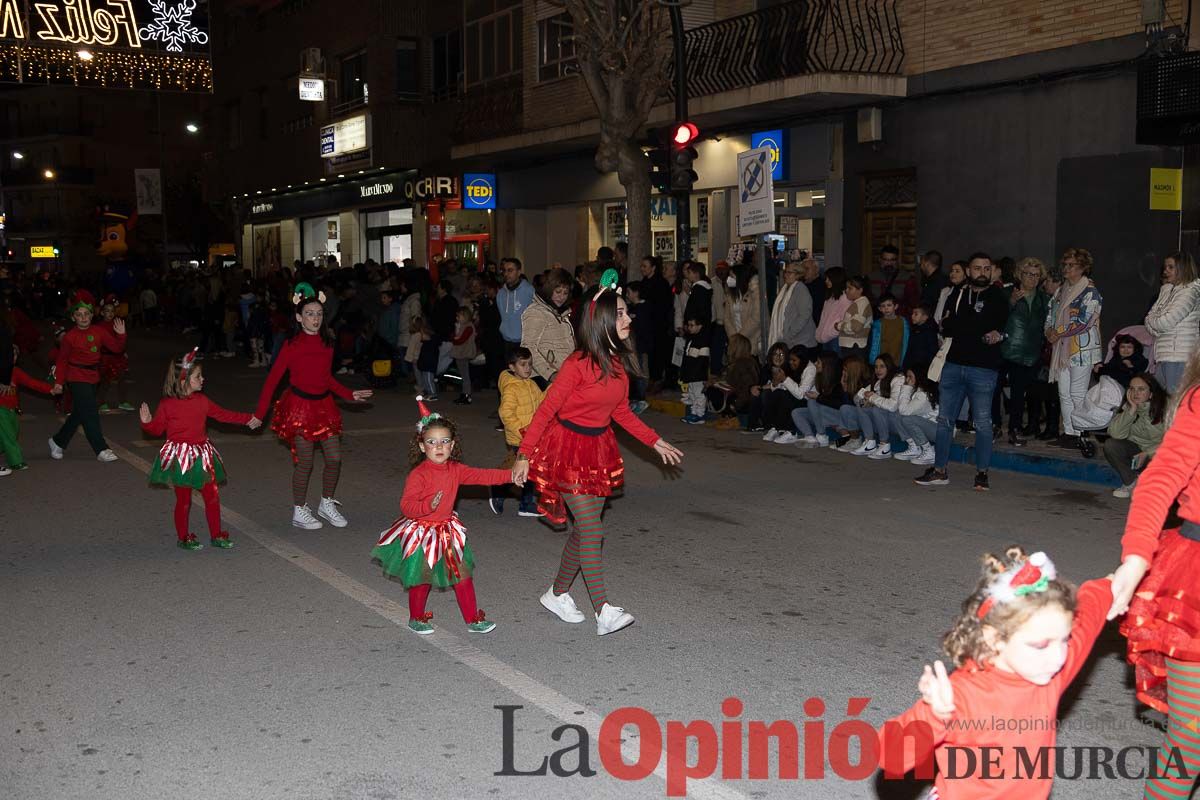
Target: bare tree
[(623, 49)]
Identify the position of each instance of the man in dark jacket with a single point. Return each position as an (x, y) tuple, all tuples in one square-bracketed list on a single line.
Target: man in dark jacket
[(975, 319), (660, 302), (933, 279), (699, 304)]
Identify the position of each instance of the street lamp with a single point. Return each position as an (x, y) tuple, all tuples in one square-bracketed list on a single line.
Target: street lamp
[(192, 127), (84, 55), (18, 155), (48, 174)]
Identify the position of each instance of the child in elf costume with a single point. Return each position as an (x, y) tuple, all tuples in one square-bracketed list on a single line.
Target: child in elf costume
[(427, 546), (113, 365), (188, 460), (78, 369), (10, 421)]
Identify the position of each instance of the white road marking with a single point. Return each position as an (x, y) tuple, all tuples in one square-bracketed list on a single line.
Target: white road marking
[(549, 700)]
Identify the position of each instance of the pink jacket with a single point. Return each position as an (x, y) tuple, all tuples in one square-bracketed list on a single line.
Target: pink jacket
[(831, 314)]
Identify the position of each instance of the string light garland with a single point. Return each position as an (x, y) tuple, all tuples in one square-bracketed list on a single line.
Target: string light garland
[(113, 69)]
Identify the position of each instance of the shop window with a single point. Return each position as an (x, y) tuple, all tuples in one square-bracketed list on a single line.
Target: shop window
[(352, 85), (408, 70), (556, 47), (447, 65), (493, 45)]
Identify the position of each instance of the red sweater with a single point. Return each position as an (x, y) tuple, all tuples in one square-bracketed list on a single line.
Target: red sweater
[(183, 419), (308, 362), (1001, 710), (107, 325), (1171, 474), (22, 380), (79, 354), (427, 479), (579, 394)]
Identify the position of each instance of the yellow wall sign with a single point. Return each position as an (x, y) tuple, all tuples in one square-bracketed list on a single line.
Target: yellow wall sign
[(1166, 189), (41, 252)]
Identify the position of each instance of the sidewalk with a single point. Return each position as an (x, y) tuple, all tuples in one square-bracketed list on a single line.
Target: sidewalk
[(1035, 458)]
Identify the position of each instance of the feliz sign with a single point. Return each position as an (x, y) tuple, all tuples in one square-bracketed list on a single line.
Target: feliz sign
[(103, 23)]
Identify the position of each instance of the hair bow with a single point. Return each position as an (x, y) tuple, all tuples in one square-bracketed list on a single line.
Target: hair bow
[(305, 291), (1032, 577)]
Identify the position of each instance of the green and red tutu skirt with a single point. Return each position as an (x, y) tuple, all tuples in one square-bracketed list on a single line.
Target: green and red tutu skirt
[(187, 465), (1164, 617), (311, 417), (418, 552), (577, 461)]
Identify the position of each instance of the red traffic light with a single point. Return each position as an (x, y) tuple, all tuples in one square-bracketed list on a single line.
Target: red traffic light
[(684, 133)]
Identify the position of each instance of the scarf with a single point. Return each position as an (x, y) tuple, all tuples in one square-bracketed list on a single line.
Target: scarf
[(1061, 356), (777, 313)]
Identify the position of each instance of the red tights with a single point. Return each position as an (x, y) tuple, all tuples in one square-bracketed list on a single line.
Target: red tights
[(463, 590), (212, 510)]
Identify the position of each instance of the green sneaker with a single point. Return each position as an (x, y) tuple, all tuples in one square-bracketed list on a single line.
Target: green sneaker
[(190, 543), (421, 626), (222, 542), (483, 626), (18, 467), (126, 407), (103, 408)]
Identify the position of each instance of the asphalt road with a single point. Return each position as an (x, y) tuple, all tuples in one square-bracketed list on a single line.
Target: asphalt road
[(282, 668)]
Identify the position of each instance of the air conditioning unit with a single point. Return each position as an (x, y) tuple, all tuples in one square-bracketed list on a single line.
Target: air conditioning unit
[(312, 62), (1168, 100)]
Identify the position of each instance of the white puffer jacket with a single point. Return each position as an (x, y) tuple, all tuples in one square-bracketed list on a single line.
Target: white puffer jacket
[(918, 405), (1175, 321), (897, 392)]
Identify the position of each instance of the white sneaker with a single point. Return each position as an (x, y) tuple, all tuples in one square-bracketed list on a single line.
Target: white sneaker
[(822, 440), (562, 606), (5, 471), (787, 437), (910, 452), (881, 453), (770, 435), (106, 455), (925, 457), (811, 441), (866, 448), (56, 452), (1125, 491), (612, 619), (851, 446), (328, 511), (302, 517)]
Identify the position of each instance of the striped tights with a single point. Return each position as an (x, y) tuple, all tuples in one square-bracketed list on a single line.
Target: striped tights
[(1183, 735), (305, 452), (582, 551)]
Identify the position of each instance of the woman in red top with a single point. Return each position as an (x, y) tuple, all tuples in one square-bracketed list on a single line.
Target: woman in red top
[(188, 460), (570, 452), (1163, 625), (305, 414)]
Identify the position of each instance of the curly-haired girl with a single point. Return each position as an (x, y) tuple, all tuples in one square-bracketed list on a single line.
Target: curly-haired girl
[(1022, 637), (427, 546)]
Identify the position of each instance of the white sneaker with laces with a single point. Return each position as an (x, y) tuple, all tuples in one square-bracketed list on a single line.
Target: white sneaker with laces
[(810, 441), (822, 440), (851, 446), (106, 455), (770, 435), (302, 517), (56, 452), (925, 457), (612, 619), (5, 471), (910, 452), (866, 448), (882, 452), (787, 437), (1124, 491), (562, 606), (329, 512)]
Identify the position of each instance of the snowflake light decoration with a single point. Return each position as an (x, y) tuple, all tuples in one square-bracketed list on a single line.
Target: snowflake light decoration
[(173, 25)]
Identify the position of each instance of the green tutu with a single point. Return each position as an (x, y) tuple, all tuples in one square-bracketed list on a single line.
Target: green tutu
[(444, 539), (187, 466)]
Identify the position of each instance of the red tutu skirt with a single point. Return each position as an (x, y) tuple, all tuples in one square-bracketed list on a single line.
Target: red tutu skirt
[(1164, 617), (565, 460), (113, 367), (312, 420)]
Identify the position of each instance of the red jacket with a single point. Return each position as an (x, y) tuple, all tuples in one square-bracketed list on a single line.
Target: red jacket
[(79, 354), (185, 419), (22, 380), (427, 479), (309, 364)]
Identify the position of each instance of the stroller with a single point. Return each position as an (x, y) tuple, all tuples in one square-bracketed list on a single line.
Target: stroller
[(1104, 399)]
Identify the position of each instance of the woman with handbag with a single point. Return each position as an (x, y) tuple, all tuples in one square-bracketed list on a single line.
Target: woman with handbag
[(546, 329)]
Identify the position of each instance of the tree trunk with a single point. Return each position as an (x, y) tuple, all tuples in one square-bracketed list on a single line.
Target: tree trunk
[(634, 175)]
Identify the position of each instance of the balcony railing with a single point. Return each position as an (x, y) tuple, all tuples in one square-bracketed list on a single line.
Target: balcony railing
[(489, 111), (797, 38)]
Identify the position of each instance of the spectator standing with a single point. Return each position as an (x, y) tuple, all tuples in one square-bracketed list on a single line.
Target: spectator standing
[(743, 308), (889, 278), (833, 310), (442, 318), (816, 286), (976, 314), (933, 279), (1174, 319), (513, 298), (889, 333), (659, 303), (546, 329), (855, 326), (1021, 350), (1074, 333), (791, 316), (699, 305), (956, 276), (721, 280), (923, 342)]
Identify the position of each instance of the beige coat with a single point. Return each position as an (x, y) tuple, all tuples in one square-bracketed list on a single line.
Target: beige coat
[(548, 335), (751, 326)]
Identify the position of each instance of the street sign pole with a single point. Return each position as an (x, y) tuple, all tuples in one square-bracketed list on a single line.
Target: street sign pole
[(760, 263), (756, 216)]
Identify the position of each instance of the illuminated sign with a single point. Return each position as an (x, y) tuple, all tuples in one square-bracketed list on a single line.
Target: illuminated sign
[(431, 187), (347, 136), (479, 190), (312, 89), (106, 23), (41, 252), (773, 140)]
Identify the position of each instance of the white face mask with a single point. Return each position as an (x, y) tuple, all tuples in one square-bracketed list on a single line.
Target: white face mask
[(731, 282)]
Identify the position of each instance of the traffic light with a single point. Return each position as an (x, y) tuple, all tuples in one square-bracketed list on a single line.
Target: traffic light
[(682, 156), (659, 155)]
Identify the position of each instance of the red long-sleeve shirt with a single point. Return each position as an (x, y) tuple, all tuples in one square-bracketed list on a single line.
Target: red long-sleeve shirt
[(185, 419), (79, 354), (1000, 710), (1171, 473), (22, 380), (579, 394), (308, 362), (427, 479)]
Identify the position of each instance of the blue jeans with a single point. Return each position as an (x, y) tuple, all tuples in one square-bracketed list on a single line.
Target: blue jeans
[(858, 419), (815, 419), (832, 346), (1170, 373), (959, 382), (919, 429), (884, 422)]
